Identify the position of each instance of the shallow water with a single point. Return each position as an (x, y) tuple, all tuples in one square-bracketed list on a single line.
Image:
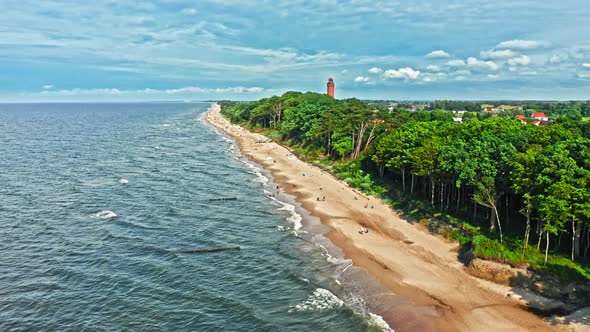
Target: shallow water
[(100, 204)]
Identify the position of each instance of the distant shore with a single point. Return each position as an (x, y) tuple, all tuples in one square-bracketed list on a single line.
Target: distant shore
[(412, 263)]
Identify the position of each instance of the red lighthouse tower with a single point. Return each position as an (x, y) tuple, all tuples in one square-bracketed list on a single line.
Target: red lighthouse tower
[(331, 86)]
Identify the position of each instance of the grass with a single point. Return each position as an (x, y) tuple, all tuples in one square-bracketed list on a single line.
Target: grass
[(512, 252)]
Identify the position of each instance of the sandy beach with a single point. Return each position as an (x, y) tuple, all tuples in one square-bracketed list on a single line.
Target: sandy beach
[(405, 258)]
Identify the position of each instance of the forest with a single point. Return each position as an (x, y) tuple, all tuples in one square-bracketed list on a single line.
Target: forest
[(514, 193)]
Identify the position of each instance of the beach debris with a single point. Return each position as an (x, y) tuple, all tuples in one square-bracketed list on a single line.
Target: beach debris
[(206, 250), (222, 199)]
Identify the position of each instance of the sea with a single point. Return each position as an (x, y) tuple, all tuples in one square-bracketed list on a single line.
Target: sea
[(111, 220)]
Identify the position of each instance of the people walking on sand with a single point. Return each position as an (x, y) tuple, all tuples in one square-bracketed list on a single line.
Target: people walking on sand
[(318, 199), (366, 205), (321, 187), (324, 199)]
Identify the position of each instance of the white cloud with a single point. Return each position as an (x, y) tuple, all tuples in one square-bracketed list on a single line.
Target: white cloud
[(433, 67), (586, 65), (405, 73), (47, 87), (584, 76), (522, 60), (519, 44), (498, 54), (150, 92), (344, 71), (493, 76), (189, 11), (375, 70), (433, 77), (361, 79), (479, 64), (462, 72), (456, 63), (557, 58), (438, 54)]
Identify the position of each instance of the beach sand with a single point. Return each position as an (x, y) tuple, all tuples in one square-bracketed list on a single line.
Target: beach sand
[(405, 258)]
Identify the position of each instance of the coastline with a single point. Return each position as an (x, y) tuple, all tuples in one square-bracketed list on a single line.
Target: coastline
[(419, 267)]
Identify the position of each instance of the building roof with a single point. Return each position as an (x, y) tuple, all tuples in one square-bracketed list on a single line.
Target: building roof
[(520, 116), (539, 115)]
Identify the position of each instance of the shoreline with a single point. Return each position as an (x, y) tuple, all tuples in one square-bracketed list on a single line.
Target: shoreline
[(420, 268)]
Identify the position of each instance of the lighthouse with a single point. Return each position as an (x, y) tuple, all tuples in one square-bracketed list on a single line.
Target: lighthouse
[(331, 86)]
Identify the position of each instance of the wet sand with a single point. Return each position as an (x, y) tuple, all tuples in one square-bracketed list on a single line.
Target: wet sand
[(405, 258)]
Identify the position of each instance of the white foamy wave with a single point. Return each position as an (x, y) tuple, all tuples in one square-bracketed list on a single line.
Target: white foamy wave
[(123, 181), (259, 177), (294, 218), (332, 259), (104, 215), (281, 228), (320, 300), (378, 322)]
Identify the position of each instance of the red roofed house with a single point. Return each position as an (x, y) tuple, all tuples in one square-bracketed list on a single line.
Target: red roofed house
[(376, 121), (521, 117), (539, 116), (536, 122)]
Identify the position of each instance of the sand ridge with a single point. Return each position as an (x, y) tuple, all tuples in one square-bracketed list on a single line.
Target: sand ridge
[(412, 263)]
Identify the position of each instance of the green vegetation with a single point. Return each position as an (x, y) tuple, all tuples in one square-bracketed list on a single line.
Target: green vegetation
[(514, 193)]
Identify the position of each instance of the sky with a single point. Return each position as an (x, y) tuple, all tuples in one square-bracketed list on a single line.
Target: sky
[(127, 50)]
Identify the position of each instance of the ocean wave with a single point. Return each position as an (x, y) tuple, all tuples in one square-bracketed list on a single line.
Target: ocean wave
[(378, 322), (123, 181), (294, 217), (320, 300), (281, 228), (317, 239), (259, 176), (106, 214)]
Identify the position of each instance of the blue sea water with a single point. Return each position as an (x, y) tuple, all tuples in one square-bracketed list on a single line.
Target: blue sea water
[(101, 204)]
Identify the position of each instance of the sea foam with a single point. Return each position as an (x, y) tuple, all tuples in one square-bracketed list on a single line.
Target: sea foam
[(378, 322), (320, 300), (106, 214)]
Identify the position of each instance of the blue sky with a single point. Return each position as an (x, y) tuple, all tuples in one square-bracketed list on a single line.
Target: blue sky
[(110, 50)]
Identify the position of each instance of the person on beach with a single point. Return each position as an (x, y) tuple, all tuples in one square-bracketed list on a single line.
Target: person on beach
[(324, 199), (366, 205)]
